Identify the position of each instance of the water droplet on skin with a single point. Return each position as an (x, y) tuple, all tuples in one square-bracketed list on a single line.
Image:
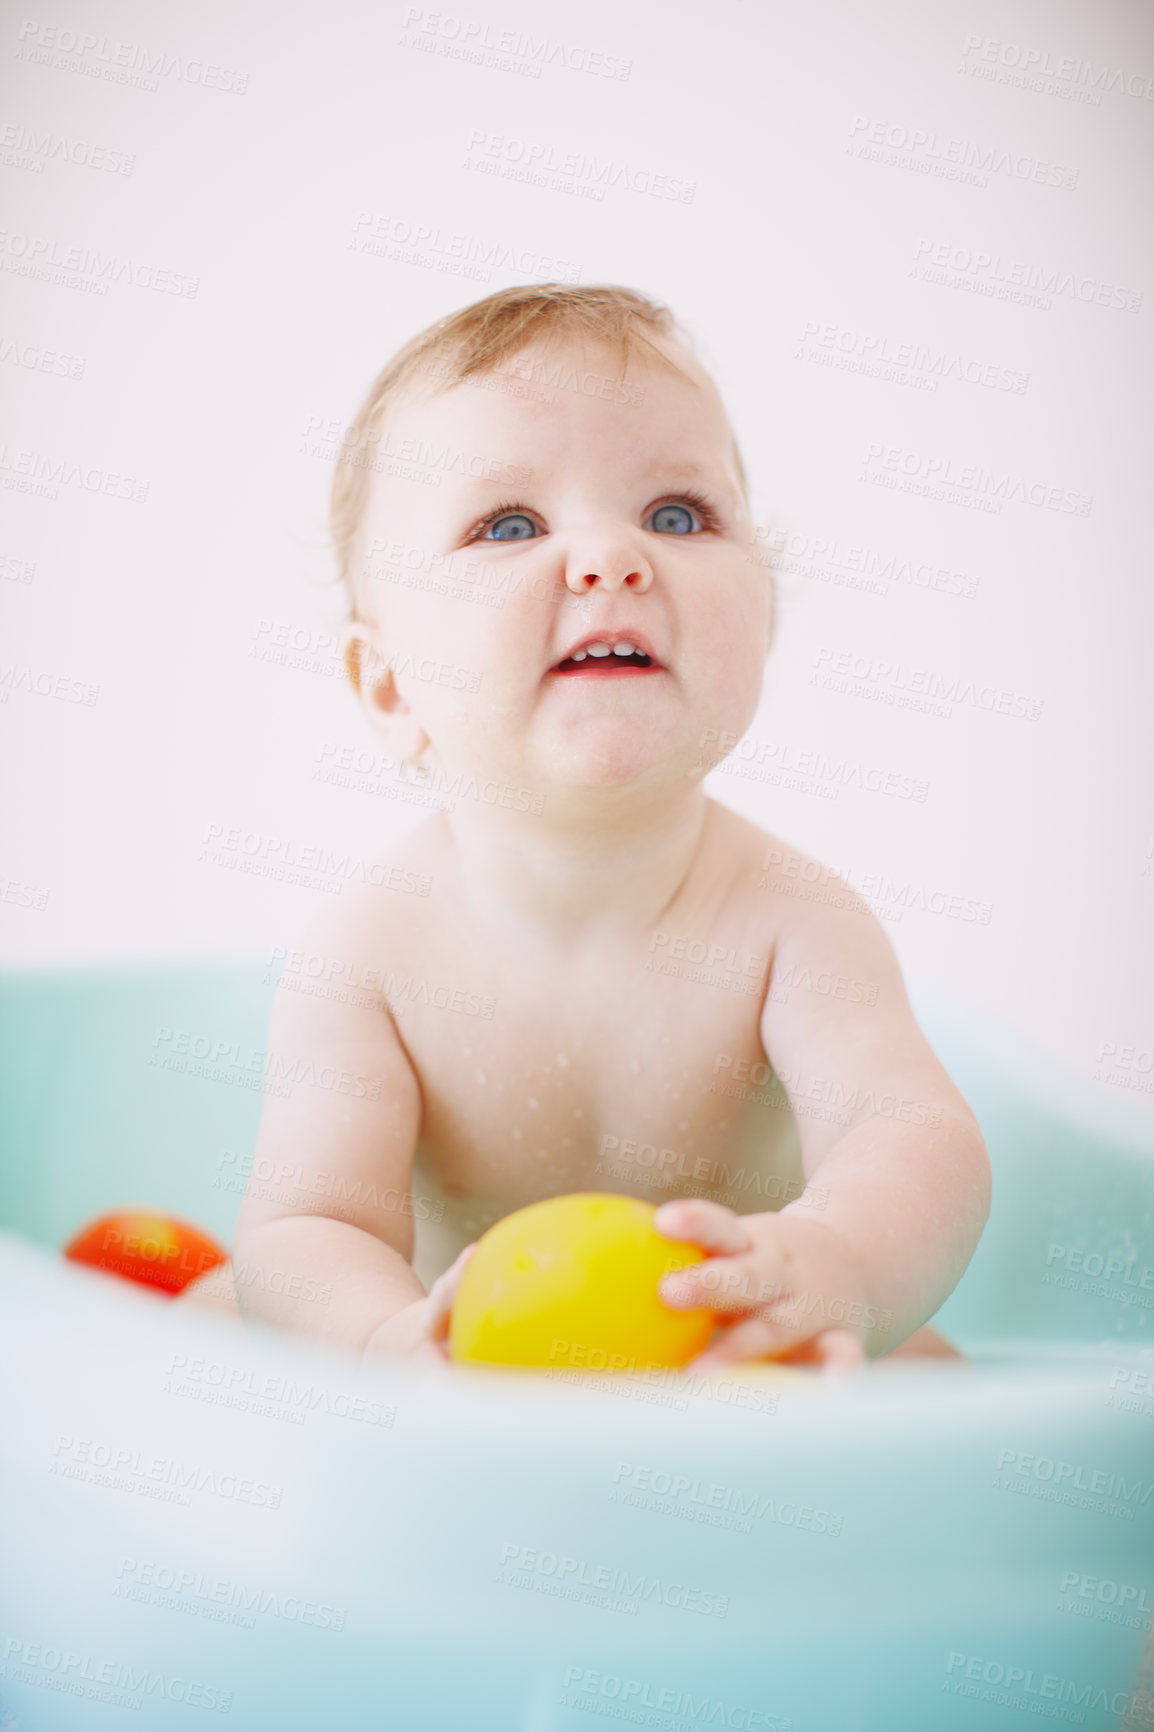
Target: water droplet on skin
[(635, 1066), (532, 1102), (516, 1133), (563, 1061), (481, 1077)]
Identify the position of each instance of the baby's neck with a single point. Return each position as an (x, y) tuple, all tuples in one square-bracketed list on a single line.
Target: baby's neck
[(604, 868)]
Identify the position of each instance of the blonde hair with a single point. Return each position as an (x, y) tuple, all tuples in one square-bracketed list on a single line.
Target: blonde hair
[(475, 341)]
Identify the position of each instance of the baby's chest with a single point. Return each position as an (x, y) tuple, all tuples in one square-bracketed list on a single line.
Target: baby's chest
[(628, 1089)]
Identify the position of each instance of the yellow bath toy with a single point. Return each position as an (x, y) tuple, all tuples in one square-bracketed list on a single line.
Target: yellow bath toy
[(572, 1282)]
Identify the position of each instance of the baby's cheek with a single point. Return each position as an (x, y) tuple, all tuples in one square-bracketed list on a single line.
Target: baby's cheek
[(735, 696)]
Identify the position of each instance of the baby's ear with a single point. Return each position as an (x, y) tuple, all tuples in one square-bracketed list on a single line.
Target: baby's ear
[(359, 643), (374, 682)]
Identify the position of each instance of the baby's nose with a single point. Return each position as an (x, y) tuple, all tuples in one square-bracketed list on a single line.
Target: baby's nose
[(609, 574), (592, 577)]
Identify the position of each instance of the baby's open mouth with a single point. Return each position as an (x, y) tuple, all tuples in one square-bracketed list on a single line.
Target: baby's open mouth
[(622, 657)]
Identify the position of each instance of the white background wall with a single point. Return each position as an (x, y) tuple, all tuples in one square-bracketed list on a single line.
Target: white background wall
[(250, 180)]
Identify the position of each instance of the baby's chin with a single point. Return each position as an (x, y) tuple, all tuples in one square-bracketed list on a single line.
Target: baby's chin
[(607, 752)]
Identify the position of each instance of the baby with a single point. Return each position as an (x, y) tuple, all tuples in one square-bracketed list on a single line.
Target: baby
[(613, 983)]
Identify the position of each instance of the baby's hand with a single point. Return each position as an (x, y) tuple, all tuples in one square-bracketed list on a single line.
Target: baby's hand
[(421, 1330), (789, 1286)]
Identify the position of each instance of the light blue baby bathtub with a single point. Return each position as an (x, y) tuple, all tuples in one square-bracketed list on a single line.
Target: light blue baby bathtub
[(200, 1520)]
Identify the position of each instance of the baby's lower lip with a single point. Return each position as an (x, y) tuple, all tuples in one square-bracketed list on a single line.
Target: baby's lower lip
[(603, 669)]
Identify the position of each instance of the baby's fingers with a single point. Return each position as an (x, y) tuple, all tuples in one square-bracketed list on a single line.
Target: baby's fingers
[(710, 1225), (840, 1350), (833, 1351), (442, 1295), (737, 1283), (752, 1338), (713, 1227)]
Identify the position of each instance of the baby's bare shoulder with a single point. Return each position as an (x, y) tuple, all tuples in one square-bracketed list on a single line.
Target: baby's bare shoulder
[(798, 907), (348, 938), (803, 890)]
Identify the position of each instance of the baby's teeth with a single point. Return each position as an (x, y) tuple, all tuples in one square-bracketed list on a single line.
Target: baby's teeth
[(598, 649), (624, 649), (577, 656)]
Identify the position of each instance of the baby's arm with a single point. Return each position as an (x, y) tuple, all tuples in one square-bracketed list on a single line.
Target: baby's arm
[(896, 1195), (323, 1237)]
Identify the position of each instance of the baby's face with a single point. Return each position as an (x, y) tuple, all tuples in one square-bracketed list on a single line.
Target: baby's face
[(494, 599)]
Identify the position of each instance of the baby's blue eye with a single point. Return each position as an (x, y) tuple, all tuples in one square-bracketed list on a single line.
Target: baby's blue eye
[(673, 520), (515, 526)]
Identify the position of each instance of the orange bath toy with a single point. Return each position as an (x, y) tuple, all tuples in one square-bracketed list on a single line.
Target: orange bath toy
[(157, 1250)]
